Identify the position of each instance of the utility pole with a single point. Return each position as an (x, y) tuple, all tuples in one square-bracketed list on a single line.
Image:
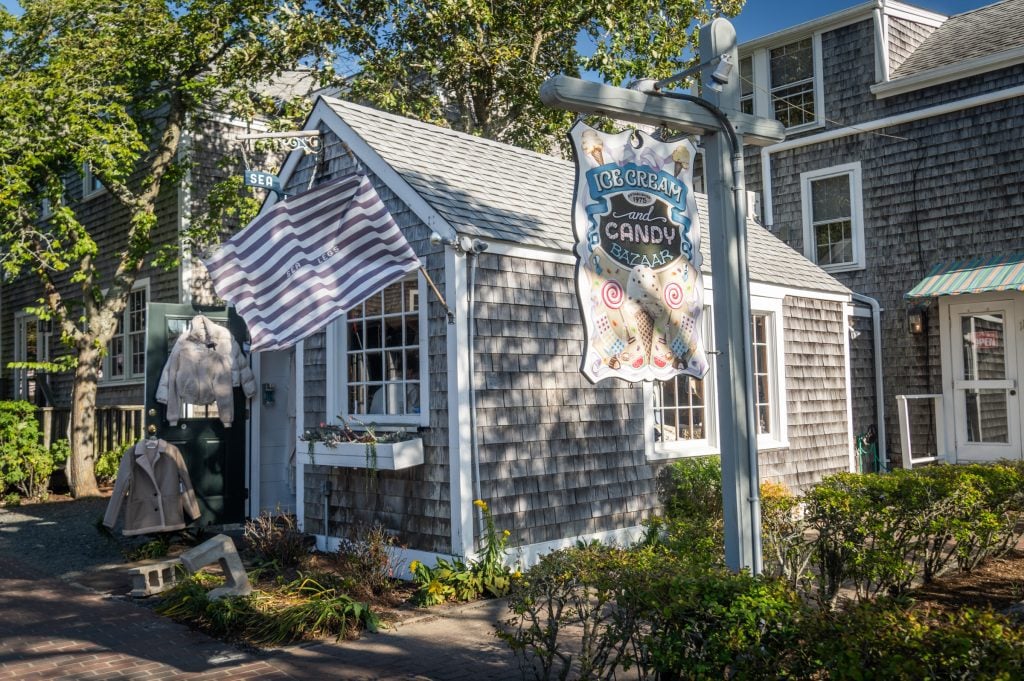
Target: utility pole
[(715, 116)]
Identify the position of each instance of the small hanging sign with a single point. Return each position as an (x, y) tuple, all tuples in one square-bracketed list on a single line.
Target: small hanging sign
[(262, 180), (638, 256)]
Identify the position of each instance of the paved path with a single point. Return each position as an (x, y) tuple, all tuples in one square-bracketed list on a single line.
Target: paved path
[(61, 623), (50, 629)]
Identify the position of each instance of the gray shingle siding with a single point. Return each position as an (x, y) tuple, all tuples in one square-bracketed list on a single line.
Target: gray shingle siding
[(413, 504), (904, 37), (559, 456), (937, 189)]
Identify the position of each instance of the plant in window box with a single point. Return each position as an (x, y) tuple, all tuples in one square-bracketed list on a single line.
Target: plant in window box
[(362, 447)]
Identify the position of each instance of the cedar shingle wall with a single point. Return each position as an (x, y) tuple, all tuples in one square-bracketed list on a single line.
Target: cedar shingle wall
[(815, 395), (414, 503), (559, 456), (107, 222), (904, 36), (942, 188)]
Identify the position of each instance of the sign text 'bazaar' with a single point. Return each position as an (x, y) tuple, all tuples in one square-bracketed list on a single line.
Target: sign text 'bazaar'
[(638, 249)]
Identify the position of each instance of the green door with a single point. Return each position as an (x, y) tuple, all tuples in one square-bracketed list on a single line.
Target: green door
[(214, 454)]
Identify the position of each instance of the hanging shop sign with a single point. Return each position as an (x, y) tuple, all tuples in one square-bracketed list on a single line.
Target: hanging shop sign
[(638, 256), (262, 180)]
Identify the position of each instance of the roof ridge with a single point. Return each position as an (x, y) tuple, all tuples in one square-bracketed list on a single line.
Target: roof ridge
[(412, 122)]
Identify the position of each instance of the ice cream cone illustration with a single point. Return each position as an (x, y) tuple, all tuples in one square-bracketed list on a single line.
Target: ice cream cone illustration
[(592, 146), (681, 156)]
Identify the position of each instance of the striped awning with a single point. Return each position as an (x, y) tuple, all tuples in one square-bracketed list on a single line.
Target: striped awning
[(994, 273)]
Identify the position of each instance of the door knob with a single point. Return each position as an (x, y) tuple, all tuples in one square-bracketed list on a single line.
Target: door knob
[(151, 429)]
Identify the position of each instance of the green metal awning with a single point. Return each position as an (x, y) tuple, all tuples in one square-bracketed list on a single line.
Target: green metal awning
[(994, 273)]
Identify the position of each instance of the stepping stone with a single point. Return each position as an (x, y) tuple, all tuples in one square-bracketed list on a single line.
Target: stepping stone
[(221, 550)]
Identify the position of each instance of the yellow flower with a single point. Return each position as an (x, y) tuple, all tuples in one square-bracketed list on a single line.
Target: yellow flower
[(517, 574), (506, 532), (481, 504), (414, 566)]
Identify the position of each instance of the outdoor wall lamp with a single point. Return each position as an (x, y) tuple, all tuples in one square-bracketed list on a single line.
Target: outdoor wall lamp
[(916, 321), (459, 243)]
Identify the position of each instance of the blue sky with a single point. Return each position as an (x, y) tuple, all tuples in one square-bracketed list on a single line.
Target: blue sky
[(761, 17)]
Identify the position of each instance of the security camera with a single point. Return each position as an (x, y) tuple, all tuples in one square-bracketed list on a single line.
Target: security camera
[(722, 70)]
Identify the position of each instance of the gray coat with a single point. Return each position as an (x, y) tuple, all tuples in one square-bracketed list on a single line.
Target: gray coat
[(154, 487)]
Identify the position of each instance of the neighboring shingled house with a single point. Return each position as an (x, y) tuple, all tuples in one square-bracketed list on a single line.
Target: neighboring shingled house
[(207, 142), (901, 176), (494, 393)]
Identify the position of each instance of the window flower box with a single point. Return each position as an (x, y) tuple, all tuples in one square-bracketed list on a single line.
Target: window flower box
[(339, 446)]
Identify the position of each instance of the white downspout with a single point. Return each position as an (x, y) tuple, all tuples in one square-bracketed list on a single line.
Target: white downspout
[(473, 252), (876, 333)]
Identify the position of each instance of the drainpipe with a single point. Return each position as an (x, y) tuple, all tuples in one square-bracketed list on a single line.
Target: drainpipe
[(473, 252), (876, 328)]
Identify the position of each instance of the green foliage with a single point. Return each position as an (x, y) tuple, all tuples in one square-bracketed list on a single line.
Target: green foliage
[(477, 66), (691, 489), (276, 539), (25, 465), (301, 609), (884, 640), (107, 464), (585, 612), (111, 84), (878, 532), (563, 622), (154, 548), (461, 580)]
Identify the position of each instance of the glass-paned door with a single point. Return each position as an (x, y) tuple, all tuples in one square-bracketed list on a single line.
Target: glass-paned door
[(985, 391)]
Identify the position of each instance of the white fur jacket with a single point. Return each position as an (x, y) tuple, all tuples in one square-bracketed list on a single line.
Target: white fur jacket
[(204, 366)]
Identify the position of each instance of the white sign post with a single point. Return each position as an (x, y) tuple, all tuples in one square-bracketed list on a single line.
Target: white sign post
[(717, 117)]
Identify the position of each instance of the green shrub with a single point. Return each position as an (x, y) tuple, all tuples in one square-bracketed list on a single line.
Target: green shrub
[(878, 532), (691, 489), (699, 622), (25, 465), (107, 464), (563, 621), (883, 640)]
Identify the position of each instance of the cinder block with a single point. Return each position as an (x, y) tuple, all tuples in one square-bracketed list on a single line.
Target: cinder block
[(153, 578), (221, 550)]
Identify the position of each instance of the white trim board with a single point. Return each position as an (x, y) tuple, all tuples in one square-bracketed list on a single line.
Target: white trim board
[(520, 556), (949, 73)]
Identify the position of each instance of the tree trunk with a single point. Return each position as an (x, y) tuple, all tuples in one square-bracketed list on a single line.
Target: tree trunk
[(81, 464)]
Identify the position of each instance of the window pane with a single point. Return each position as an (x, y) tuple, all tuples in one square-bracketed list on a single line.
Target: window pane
[(679, 409), (762, 369), (746, 76), (830, 198), (383, 353), (791, 69)]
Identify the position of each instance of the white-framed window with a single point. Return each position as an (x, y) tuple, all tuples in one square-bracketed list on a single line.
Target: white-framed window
[(31, 344), (91, 185), (682, 410), (784, 82), (126, 351), (378, 359), (833, 217), (747, 85)]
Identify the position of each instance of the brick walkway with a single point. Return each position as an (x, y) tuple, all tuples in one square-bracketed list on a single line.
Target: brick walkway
[(50, 629)]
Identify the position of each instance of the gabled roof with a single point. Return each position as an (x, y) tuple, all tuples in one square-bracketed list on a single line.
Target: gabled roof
[(972, 35), (495, 191)]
